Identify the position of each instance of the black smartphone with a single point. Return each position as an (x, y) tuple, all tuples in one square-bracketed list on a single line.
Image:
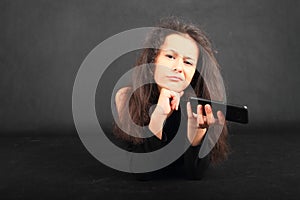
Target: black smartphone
[(234, 113)]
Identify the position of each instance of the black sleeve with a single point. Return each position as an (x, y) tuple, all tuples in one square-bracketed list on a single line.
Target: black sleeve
[(194, 166), (150, 144)]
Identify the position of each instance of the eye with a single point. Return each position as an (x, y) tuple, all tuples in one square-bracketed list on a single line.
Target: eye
[(189, 63), (170, 56)]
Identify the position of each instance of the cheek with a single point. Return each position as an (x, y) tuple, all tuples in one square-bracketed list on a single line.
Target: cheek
[(189, 76), (157, 74), (160, 70)]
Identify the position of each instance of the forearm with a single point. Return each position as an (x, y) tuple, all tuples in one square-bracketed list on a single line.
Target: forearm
[(195, 166), (156, 124)]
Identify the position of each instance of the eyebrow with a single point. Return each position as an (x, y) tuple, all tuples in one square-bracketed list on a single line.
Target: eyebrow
[(187, 57)]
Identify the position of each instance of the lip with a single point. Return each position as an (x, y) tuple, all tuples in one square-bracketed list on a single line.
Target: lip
[(175, 78)]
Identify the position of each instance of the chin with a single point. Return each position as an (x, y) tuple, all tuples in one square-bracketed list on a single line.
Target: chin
[(173, 87), (176, 89)]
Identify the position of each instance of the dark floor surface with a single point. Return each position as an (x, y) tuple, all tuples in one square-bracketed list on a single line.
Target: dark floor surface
[(262, 166)]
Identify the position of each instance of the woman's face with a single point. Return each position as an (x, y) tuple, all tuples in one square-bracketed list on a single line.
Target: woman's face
[(176, 62)]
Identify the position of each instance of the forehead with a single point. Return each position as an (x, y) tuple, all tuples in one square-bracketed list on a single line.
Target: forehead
[(182, 44)]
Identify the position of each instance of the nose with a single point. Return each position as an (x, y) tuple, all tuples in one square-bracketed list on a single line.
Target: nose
[(178, 66)]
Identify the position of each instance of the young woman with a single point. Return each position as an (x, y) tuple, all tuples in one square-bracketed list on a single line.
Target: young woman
[(181, 54)]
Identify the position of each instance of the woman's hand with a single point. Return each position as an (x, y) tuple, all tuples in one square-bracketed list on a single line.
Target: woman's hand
[(164, 106), (163, 109), (198, 123)]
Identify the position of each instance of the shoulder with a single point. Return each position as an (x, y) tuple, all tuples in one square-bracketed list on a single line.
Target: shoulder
[(121, 96)]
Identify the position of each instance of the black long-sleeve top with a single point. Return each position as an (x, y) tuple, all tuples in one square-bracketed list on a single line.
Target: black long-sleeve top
[(193, 166)]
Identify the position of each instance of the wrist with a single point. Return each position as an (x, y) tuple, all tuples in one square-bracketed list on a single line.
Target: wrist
[(197, 140), (156, 124)]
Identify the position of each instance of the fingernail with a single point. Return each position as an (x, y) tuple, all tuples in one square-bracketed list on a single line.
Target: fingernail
[(207, 107)]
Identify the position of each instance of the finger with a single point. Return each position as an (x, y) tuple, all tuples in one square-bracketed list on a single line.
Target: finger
[(174, 103), (174, 100), (200, 119), (209, 115), (177, 99), (172, 96), (181, 93), (189, 110), (221, 117), (175, 96), (168, 93)]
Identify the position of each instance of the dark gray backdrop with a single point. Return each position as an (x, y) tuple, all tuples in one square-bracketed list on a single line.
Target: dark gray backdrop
[(43, 43)]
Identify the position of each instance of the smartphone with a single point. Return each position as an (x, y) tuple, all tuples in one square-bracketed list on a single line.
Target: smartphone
[(234, 113)]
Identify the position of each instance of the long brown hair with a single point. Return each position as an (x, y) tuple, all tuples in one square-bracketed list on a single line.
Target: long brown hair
[(145, 96)]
